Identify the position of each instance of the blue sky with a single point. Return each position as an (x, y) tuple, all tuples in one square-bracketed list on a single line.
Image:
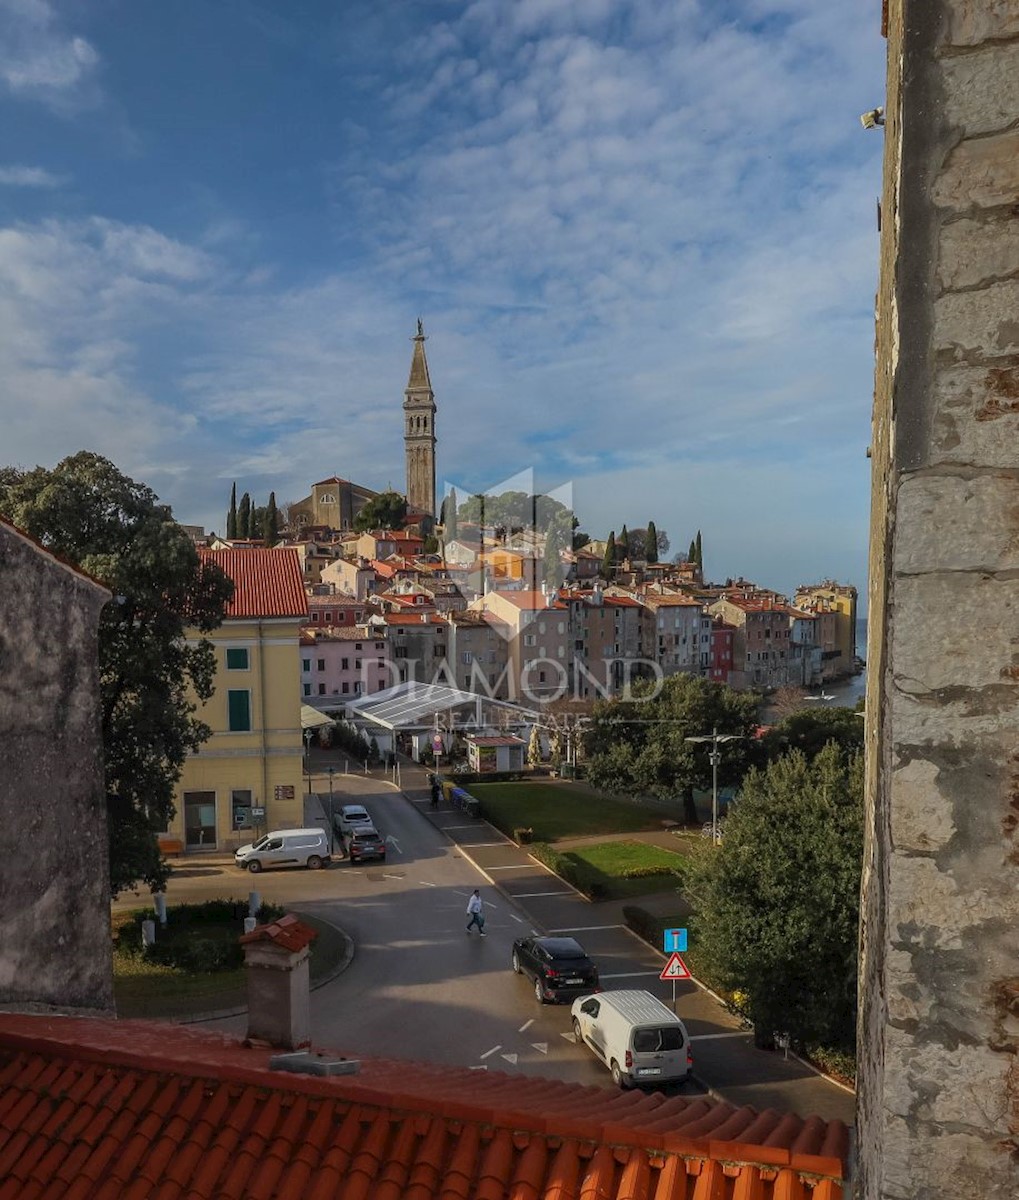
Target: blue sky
[(641, 235)]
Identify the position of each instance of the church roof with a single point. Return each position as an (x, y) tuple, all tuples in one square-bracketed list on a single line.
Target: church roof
[(419, 378)]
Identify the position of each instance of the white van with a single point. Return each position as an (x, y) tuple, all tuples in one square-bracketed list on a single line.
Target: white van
[(285, 848), (635, 1035)]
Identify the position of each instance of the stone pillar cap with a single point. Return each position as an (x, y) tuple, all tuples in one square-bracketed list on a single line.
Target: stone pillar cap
[(288, 933)]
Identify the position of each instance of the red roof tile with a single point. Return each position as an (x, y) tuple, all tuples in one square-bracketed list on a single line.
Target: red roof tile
[(288, 932), (267, 583), (93, 1109)]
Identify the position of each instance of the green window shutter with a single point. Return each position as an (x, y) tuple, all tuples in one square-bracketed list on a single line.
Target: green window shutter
[(237, 659), (240, 711)]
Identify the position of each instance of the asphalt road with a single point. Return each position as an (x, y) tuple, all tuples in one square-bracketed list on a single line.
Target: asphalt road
[(420, 988)]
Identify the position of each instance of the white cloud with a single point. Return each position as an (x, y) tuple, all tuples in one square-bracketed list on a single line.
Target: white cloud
[(41, 60), (28, 177)]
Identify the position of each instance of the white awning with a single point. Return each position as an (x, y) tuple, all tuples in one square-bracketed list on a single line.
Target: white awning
[(414, 705), (311, 718)]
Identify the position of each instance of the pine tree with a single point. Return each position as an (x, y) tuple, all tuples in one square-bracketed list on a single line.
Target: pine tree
[(244, 517), (231, 516), (271, 523), (608, 563), (651, 546), (700, 552), (623, 545)]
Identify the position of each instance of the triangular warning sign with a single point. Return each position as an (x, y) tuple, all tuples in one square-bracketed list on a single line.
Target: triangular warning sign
[(675, 968)]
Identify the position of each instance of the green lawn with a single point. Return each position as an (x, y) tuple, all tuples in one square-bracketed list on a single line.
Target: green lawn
[(144, 989), (608, 866), (557, 811)]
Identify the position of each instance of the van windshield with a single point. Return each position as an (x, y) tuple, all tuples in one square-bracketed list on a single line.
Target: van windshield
[(261, 843), (666, 1037)]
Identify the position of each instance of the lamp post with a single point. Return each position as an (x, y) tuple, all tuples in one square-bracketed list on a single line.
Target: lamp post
[(332, 827), (715, 757), (308, 734)]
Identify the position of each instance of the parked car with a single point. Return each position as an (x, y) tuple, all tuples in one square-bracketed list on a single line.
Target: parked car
[(365, 842), (558, 966), (285, 848), (348, 816), (635, 1035)]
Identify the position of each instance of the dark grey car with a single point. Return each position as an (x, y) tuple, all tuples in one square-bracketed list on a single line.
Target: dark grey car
[(558, 966)]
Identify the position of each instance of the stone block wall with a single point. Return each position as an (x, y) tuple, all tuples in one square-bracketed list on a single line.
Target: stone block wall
[(939, 1073)]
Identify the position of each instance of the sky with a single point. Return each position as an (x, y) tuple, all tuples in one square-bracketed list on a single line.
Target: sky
[(640, 234)]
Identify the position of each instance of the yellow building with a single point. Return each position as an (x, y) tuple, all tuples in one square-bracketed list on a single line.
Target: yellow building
[(246, 778), (840, 600)]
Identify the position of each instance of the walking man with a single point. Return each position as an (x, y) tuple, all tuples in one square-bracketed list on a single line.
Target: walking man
[(474, 911)]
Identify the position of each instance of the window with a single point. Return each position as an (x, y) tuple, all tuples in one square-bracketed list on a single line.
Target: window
[(467, 657), (321, 689), (357, 664), (327, 617), (561, 627), (236, 658), (314, 614), (305, 664), (381, 662), (541, 676), (541, 626), (307, 689), (345, 664), (321, 664), (380, 645), (529, 639), (357, 645), (346, 688), (239, 710)]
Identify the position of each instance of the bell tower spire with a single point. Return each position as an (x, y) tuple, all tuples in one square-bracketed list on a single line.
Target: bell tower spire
[(419, 429)]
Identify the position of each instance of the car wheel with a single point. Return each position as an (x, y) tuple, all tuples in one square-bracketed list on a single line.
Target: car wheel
[(577, 1033), (314, 862), (254, 866), (539, 991), (516, 962), (618, 1078)]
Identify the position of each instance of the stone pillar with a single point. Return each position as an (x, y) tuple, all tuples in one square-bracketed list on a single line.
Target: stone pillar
[(938, 1111), (276, 957)]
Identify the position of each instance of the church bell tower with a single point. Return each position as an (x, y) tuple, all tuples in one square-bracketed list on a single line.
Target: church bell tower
[(419, 430)]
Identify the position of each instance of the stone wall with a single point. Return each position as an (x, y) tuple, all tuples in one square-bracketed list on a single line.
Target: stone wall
[(938, 1074), (54, 880)]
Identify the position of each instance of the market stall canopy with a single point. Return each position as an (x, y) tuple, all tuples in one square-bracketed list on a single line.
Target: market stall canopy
[(311, 718), (414, 705)]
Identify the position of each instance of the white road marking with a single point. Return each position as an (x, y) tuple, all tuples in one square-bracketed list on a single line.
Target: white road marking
[(489, 1053), (703, 1037), (526, 1025), (476, 845), (577, 928), (425, 883), (385, 876), (570, 1037), (482, 1068), (516, 918), (532, 895), (631, 974), (459, 826), (523, 867), (511, 1058), (395, 843), (541, 1047)]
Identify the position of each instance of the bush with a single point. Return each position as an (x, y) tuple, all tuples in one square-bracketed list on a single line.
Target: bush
[(523, 836), (198, 938), (643, 924), (651, 871), (839, 1063)]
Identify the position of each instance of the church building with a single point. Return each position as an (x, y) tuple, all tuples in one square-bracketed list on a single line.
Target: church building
[(419, 431)]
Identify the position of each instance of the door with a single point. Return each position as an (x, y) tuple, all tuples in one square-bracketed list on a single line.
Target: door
[(200, 820), (659, 1052)]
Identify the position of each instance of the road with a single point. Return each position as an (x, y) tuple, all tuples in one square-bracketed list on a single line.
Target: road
[(420, 988)]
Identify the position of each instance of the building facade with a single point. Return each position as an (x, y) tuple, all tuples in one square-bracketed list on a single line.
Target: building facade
[(419, 430)]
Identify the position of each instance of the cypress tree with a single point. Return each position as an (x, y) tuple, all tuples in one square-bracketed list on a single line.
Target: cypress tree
[(231, 516), (244, 517), (451, 518), (271, 523), (608, 564), (623, 545), (651, 548), (691, 555), (700, 552)]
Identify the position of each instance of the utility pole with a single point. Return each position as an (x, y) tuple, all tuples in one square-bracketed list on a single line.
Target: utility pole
[(715, 757)]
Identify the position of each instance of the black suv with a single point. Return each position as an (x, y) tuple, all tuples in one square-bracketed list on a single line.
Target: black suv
[(364, 842), (559, 967)]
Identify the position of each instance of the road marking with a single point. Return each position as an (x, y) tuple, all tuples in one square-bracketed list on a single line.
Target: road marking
[(476, 845), (541, 1047), (489, 1053), (395, 843), (577, 928), (385, 876), (630, 974), (482, 1068), (703, 1037), (516, 918), (425, 883), (526, 1025), (532, 895), (525, 867), (459, 826), (511, 1059), (570, 1037)]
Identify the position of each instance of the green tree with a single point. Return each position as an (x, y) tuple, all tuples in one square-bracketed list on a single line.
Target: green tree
[(231, 516), (811, 729), (449, 516), (86, 511), (244, 517), (623, 545), (386, 511), (271, 522), (639, 746), (698, 552), (651, 543), (608, 562), (691, 555), (778, 901)]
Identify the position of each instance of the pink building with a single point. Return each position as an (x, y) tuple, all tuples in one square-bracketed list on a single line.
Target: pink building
[(341, 662)]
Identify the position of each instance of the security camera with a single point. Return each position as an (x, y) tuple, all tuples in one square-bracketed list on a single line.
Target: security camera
[(876, 116)]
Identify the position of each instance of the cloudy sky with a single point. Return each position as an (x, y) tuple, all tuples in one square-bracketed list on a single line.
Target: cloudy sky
[(640, 233)]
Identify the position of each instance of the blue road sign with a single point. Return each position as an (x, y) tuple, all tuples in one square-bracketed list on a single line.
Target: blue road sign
[(675, 941)]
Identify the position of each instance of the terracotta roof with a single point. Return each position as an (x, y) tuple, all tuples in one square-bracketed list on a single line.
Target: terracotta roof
[(427, 617), (529, 601), (99, 1109), (288, 932), (267, 583)]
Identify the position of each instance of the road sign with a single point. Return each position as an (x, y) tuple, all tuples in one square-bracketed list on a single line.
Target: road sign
[(258, 814), (675, 968), (675, 939)]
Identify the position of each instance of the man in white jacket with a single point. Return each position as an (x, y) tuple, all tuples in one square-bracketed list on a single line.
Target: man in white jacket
[(474, 911)]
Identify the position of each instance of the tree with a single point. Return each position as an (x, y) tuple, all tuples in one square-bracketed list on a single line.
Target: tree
[(651, 543), (608, 562), (244, 517), (87, 512), (811, 729), (231, 516), (449, 516), (691, 555), (271, 522), (534, 747), (639, 746), (698, 552), (778, 901), (388, 510)]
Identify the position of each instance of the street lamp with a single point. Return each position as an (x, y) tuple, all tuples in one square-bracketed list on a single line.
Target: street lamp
[(332, 827), (715, 757), (308, 734)]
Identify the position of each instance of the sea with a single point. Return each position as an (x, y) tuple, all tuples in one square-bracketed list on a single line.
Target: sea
[(848, 691)]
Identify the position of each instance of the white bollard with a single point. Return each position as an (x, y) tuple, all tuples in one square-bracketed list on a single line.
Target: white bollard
[(160, 905), (249, 924), (148, 933), (254, 903)]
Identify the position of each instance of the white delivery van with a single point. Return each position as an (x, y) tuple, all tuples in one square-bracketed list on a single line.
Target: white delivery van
[(285, 848), (635, 1035)]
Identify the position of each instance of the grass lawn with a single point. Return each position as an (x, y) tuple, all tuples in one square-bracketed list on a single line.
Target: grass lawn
[(606, 865), (145, 989), (556, 811)]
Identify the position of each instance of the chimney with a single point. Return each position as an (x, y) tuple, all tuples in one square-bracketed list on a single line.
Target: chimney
[(276, 958)]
